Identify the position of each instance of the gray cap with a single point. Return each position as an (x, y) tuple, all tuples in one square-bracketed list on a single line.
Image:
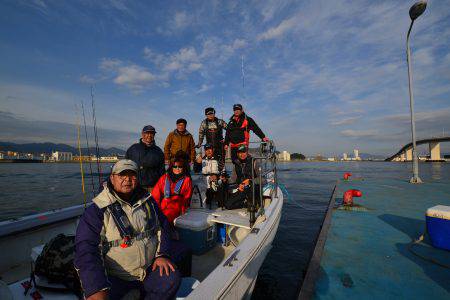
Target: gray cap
[(124, 165)]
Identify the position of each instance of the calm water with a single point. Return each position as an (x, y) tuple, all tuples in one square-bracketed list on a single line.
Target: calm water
[(30, 188)]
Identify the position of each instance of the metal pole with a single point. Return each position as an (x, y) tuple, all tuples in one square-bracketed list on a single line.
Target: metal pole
[(415, 178)]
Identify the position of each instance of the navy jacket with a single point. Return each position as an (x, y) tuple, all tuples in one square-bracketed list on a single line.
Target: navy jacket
[(88, 257), (150, 160)]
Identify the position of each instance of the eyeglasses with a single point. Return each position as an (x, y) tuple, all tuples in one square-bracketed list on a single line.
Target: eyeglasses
[(132, 176), (177, 167)]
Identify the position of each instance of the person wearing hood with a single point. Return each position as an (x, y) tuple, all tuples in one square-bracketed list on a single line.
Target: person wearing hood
[(179, 139), (123, 242), (173, 191), (238, 131), (149, 158)]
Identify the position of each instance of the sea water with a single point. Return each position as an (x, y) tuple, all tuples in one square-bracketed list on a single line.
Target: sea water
[(30, 188)]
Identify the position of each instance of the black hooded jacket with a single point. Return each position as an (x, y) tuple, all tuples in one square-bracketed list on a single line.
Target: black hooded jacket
[(236, 129), (150, 160)]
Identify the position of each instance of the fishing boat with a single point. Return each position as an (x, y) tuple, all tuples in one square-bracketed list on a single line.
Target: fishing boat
[(225, 267)]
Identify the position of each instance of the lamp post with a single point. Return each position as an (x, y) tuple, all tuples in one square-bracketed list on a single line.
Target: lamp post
[(414, 12)]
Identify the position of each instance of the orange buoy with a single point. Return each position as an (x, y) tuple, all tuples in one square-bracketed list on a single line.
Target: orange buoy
[(349, 194)]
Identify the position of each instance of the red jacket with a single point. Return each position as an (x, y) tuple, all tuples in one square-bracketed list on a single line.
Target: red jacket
[(176, 204)]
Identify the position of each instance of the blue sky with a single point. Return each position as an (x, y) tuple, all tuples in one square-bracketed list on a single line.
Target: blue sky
[(320, 76)]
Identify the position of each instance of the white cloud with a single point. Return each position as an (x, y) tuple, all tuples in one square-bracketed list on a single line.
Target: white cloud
[(204, 88), (345, 121), (277, 31), (359, 133), (134, 76)]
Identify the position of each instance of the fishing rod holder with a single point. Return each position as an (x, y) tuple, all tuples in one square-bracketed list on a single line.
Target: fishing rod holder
[(267, 165)]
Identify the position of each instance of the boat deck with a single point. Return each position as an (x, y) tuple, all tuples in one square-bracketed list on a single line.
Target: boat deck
[(366, 251)]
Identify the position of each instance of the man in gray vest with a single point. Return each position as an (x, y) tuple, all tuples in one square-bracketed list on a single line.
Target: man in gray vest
[(123, 242)]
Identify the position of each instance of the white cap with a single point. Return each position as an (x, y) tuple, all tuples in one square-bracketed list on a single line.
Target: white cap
[(124, 165)]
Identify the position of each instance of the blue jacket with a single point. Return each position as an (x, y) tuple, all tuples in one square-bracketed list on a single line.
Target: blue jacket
[(91, 264), (150, 160)]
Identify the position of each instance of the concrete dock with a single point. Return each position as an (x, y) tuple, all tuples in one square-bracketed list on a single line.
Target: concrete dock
[(366, 252)]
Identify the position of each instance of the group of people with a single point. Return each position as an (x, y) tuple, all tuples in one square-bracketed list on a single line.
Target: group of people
[(127, 239)]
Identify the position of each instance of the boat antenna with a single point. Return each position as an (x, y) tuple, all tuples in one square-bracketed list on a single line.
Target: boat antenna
[(243, 77), (97, 150), (88, 149), (80, 156)]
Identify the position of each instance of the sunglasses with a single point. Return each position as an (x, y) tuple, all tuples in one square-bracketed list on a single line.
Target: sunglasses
[(177, 167)]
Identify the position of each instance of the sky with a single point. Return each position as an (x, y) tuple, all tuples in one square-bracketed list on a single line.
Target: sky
[(319, 77)]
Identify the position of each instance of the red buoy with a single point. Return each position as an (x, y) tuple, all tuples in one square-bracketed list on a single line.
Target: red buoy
[(349, 194), (347, 175)]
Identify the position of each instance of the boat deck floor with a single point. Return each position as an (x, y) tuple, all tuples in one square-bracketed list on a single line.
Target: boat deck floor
[(367, 253), (204, 264)]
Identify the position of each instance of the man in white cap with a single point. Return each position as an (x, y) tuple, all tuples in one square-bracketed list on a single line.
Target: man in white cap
[(134, 238)]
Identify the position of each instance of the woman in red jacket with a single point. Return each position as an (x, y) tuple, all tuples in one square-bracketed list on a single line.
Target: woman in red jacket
[(173, 190)]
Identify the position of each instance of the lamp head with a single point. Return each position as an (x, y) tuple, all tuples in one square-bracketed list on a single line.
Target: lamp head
[(417, 9)]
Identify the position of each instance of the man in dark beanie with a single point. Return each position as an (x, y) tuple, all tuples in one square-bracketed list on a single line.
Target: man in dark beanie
[(149, 158), (212, 128), (179, 139)]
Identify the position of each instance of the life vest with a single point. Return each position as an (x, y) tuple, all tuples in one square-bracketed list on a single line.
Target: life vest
[(177, 189), (244, 127), (125, 228)]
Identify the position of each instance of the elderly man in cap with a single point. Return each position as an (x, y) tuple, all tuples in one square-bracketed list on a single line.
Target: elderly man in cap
[(123, 241), (212, 128), (179, 139), (149, 158), (238, 131)]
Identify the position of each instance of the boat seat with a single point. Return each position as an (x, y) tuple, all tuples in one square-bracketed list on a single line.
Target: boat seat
[(188, 284), (233, 217)]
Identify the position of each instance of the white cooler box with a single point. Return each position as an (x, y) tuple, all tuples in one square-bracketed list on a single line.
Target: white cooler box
[(196, 231)]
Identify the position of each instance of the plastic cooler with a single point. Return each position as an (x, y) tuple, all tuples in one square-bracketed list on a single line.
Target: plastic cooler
[(196, 231), (438, 226)]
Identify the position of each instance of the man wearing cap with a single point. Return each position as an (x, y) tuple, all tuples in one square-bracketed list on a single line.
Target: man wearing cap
[(212, 128), (238, 131), (123, 240), (179, 139), (148, 157)]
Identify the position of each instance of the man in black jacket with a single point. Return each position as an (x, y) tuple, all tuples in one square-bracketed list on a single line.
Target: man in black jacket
[(238, 131), (148, 157)]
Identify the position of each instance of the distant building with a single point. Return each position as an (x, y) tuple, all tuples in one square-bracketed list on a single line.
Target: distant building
[(109, 158), (356, 154), (62, 156), (284, 155), (344, 156), (2, 155), (331, 159)]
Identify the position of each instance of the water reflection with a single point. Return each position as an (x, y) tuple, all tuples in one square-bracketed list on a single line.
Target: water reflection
[(436, 170)]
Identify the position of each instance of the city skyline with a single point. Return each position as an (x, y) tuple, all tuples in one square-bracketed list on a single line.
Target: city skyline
[(320, 77)]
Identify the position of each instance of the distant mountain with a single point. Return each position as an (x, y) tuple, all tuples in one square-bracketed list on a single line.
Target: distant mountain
[(37, 148), (371, 156)]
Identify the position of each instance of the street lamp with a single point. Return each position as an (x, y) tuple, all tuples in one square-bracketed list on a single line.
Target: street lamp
[(414, 12)]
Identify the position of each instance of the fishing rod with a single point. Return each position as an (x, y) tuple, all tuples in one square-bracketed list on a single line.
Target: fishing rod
[(88, 149), (97, 150), (81, 160)]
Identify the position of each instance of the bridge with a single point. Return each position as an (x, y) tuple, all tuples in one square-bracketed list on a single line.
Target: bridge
[(405, 154)]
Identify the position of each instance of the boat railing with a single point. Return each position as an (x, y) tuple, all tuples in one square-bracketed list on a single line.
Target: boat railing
[(264, 162)]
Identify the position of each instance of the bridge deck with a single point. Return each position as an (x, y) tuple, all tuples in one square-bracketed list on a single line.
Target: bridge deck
[(366, 253)]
